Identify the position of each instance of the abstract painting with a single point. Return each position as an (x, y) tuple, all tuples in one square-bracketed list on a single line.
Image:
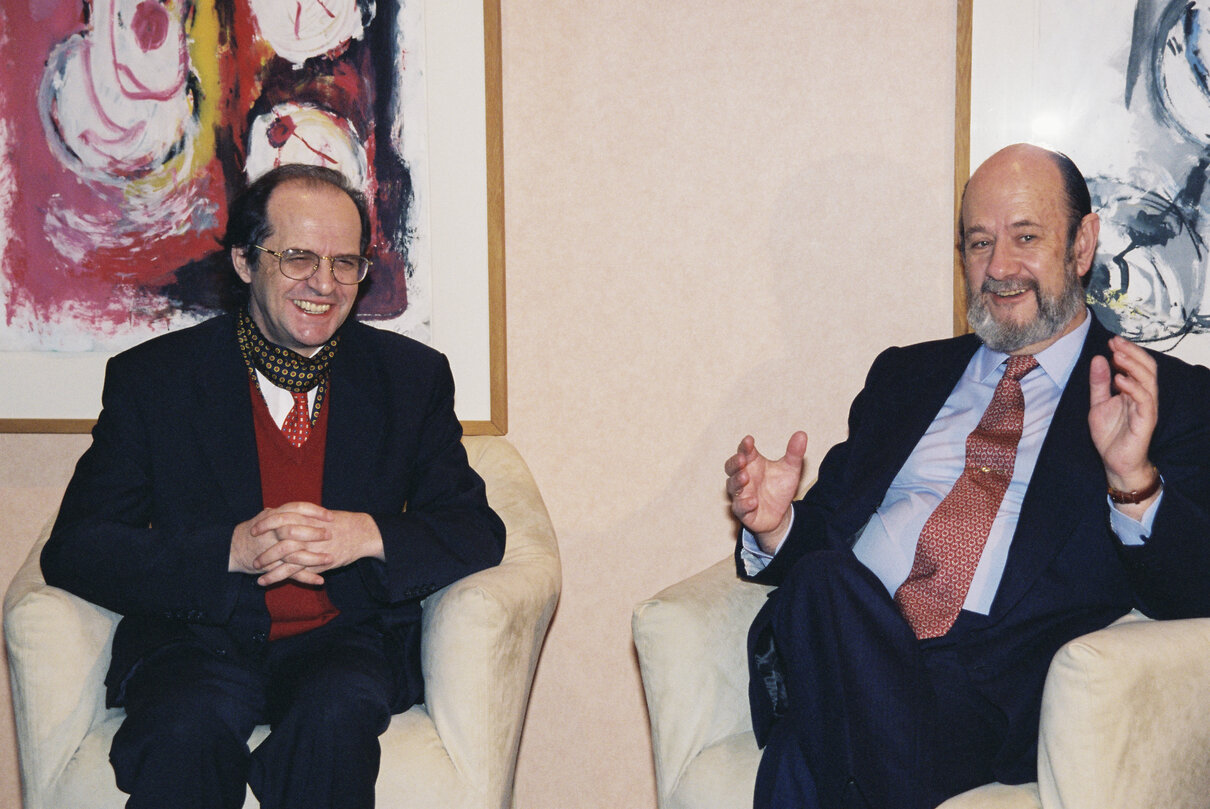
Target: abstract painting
[(126, 126), (148, 115), (1123, 87)]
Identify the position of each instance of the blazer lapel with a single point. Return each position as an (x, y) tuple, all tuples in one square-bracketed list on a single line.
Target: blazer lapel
[(356, 424), (1068, 477), (222, 422)]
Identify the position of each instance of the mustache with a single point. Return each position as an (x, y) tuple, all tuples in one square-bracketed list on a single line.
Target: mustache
[(997, 286)]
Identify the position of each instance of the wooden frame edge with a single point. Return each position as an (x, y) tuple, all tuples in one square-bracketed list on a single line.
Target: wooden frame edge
[(498, 344), (48, 426), (962, 150)]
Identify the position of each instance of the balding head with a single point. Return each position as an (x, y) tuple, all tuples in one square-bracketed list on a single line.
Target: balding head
[(1025, 248), (1071, 181)]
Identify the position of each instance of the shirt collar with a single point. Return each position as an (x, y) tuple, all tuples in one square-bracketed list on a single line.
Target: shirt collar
[(1057, 360)]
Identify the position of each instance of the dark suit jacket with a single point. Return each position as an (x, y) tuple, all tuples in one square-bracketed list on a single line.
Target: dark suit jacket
[(146, 522), (1066, 572)]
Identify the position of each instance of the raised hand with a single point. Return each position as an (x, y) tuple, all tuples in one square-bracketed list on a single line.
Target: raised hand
[(761, 490), (1122, 423)]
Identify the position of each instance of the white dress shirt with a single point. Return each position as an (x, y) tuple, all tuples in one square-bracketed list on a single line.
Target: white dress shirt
[(279, 400)]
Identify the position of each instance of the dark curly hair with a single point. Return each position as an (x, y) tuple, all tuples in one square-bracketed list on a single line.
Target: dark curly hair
[(248, 218)]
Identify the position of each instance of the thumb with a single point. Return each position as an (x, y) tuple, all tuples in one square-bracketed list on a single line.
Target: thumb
[(1099, 377), (796, 449)]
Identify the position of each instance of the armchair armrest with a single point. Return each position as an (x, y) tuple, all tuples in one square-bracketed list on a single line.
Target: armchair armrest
[(58, 688), (691, 640), (481, 635), (1126, 718)]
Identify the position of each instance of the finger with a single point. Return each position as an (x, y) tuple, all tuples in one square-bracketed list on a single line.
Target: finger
[(298, 573), (741, 507), (1142, 369), (283, 524), (1098, 381), (1118, 343), (737, 482), (796, 448), (1126, 351), (307, 509), (308, 576), (291, 553), (277, 573), (743, 456), (315, 559), (308, 513), (1140, 397), (297, 532)]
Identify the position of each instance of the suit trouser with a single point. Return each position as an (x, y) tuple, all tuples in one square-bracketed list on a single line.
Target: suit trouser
[(328, 694), (869, 715)]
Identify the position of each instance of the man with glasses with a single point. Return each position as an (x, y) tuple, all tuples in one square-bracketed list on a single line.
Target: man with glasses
[(267, 498)]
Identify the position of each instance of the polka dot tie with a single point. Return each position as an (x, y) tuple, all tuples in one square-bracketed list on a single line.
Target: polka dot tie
[(297, 425), (952, 540)]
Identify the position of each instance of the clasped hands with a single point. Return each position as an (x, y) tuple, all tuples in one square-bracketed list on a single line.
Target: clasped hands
[(301, 541), (1123, 406)]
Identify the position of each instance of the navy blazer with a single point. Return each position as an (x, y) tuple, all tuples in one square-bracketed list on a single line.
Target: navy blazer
[(146, 522), (1066, 573)]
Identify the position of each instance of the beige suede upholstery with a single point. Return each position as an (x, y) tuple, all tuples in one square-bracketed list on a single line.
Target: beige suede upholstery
[(1125, 713), (481, 638)]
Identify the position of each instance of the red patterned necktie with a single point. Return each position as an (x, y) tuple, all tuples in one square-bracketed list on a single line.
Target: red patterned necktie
[(952, 540), (297, 425)]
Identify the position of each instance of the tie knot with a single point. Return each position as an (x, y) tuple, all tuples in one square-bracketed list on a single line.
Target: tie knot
[(1019, 366)]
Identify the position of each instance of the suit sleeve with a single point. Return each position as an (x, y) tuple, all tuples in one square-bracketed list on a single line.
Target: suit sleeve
[(109, 544), (447, 530), (1170, 572)]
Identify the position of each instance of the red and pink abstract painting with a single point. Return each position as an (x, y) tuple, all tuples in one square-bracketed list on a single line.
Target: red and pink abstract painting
[(127, 125)]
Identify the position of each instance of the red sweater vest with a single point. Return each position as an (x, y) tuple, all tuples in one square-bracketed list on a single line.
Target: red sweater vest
[(289, 474)]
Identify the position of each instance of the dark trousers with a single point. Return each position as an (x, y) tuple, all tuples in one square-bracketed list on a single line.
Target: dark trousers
[(328, 694), (865, 716)]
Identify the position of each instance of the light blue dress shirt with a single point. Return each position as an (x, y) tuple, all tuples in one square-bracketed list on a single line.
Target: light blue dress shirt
[(887, 544)]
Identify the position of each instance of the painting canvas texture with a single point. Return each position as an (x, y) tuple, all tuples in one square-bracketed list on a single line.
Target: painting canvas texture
[(1123, 87), (126, 126)]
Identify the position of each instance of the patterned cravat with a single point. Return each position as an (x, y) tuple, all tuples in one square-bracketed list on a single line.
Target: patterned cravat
[(952, 540), (297, 425)]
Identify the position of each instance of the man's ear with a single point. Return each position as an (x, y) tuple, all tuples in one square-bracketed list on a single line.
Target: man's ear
[(242, 268), (1085, 248)]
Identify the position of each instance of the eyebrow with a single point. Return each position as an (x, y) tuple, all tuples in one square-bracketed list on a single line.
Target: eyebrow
[(1020, 223)]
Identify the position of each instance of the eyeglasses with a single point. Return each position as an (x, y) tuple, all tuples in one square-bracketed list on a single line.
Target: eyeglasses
[(300, 265)]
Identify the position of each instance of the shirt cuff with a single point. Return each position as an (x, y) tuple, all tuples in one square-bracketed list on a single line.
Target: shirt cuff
[(753, 556), (1129, 530)]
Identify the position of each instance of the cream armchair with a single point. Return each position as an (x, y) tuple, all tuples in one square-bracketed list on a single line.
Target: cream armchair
[(1125, 712), (481, 638)]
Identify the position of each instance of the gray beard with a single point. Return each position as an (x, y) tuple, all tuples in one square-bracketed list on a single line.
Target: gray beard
[(1054, 313)]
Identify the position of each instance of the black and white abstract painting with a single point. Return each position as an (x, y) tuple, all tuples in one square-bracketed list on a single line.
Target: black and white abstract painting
[(1123, 88)]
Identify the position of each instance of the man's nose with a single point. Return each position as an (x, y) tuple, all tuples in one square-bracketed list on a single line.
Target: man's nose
[(999, 261), (323, 280)]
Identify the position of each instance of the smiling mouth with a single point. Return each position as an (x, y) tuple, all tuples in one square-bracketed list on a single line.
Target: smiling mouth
[(1006, 289), (313, 308)]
